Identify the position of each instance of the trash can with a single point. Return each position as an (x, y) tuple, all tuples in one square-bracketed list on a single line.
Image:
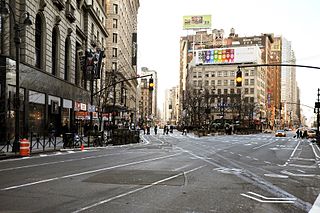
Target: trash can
[(24, 148)]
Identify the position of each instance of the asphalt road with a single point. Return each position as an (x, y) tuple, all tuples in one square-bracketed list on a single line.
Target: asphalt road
[(169, 173)]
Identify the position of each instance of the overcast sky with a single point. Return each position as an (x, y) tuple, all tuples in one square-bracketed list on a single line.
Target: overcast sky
[(160, 28)]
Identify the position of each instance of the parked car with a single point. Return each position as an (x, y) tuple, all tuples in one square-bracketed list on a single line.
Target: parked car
[(280, 133)]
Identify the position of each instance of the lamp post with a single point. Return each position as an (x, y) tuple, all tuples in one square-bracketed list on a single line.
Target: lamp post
[(18, 27)]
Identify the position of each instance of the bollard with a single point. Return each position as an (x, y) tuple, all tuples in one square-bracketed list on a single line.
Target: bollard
[(24, 147)]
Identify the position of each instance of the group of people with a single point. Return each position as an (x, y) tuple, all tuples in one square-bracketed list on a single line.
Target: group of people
[(301, 134)]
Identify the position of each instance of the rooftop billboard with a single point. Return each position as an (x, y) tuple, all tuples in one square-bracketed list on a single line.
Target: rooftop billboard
[(197, 22), (228, 55)]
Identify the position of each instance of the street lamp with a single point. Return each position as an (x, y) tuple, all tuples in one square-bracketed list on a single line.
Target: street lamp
[(18, 27)]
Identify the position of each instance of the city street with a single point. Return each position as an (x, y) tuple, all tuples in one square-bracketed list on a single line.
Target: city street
[(169, 173)]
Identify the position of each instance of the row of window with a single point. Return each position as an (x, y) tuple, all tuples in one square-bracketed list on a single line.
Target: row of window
[(221, 74), (225, 82), (55, 50)]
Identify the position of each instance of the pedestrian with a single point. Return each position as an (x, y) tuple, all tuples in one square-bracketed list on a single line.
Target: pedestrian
[(148, 130), (155, 129), (164, 129), (184, 131), (298, 133)]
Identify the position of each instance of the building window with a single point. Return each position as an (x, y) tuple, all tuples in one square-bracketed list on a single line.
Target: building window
[(213, 82), (219, 83), (252, 72), (225, 91), (115, 38), (199, 83), (251, 81), (213, 74), (246, 91), (231, 82), (38, 41), (246, 82), (207, 74), (232, 73), (114, 66), (114, 52), (206, 83), (251, 90), (251, 99), (115, 23), (67, 58), (225, 73), (246, 73), (231, 91), (55, 51), (115, 9), (225, 82), (195, 83), (199, 75), (219, 74)]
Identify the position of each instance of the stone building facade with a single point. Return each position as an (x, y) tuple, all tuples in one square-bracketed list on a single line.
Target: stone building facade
[(54, 89), (122, 54)]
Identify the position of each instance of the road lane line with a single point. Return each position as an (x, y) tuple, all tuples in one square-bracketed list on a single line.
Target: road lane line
[(267, 201), (136, 190), (56, 162), (314, 151), (258, 147), (316, 206), (85, 173), (272, 198)]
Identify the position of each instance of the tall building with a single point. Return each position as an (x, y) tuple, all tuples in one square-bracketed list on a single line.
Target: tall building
[(269, 101), (289, 89), (170, 106), (121, 52), (53, 87)]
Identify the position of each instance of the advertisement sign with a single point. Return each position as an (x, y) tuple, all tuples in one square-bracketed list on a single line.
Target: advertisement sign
[(228, 55), (197, 22)]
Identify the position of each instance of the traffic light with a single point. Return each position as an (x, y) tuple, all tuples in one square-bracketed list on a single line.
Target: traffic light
[(239, 78), (151, 84)]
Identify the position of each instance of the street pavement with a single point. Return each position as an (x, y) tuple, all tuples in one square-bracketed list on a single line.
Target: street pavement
[(169, 173)]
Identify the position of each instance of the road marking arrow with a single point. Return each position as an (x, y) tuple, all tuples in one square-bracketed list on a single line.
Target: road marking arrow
[(263, 199)]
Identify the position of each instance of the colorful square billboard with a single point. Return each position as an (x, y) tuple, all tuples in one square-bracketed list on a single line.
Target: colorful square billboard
[(197, 22), (228, 55)]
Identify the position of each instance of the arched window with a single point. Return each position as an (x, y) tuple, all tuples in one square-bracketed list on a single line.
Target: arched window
[(40, 41), (55, 51), (67, 59)]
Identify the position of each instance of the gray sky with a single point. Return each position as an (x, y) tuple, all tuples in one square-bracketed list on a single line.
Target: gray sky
[(160, 27)]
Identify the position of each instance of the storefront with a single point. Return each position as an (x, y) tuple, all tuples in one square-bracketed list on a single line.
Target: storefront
[(44, 99)]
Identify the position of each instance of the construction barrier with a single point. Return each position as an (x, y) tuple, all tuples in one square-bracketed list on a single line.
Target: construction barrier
[(24, 148)]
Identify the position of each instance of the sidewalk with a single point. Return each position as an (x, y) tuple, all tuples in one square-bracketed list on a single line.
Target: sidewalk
[(37, 146)]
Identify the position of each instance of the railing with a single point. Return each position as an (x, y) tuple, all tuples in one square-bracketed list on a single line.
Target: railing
[(51, 142)]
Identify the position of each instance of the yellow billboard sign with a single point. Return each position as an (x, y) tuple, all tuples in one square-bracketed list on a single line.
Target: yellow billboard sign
[(197, 22)]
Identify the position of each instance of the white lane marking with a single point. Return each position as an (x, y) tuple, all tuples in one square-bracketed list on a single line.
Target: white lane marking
[(248, 157), (256, 159), (303, 159), (276, 175), (231, 153), (55, 162), (292, 154), (267, 162), (314, 151), (299, 175), (182, 167), (135, 190), (43, 155), (273, 198), (258, 147), (302, 166), (240, 155), (267, 201), (299, 170), (316, 206), (85, 173)]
